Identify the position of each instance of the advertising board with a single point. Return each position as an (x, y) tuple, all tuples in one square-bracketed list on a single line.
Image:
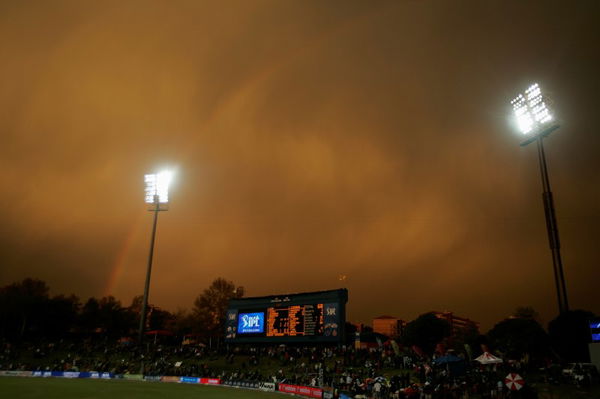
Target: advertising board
[(266, 386), (209, 381), (169, 378), (302, 390)]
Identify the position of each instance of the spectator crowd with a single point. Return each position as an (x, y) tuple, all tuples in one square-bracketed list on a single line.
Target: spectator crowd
[(380, 372)]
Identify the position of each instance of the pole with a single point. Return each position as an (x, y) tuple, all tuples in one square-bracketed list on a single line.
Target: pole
[(552, 228), (148, 273)]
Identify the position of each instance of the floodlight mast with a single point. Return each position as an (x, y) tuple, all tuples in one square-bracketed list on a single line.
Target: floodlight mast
[(157, 189), (536, 122)]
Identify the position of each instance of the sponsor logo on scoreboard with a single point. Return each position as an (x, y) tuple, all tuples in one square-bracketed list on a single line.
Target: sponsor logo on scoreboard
[(251, 323)]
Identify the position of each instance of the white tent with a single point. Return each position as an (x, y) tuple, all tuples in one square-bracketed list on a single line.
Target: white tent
[(488, 358)]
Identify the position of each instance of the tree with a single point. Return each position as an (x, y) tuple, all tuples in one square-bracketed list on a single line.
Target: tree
[(156, 318), (22, 307), (136, 310), (351, 330), (107, 315), (467, 340), (526, 312), (184, 322), (60, 314), (570, 334), (426, 331), (136, 305), (160, 319), (115, 319), (517, 337), (88, 319), (210, 306)]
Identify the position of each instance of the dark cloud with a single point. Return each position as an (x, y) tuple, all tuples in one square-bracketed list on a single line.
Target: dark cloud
[(311, 140)]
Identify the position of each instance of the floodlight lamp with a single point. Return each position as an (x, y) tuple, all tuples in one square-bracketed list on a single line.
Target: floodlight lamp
[(157, 187), (531, 114)]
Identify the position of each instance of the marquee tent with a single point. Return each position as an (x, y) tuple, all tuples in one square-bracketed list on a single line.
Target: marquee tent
[(488, 358)]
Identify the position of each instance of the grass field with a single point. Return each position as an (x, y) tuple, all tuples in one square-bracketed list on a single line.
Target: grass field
[(59, 388), (62, 388)]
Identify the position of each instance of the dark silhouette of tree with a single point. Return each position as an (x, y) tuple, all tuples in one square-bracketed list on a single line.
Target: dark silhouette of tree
[(367, 329), (426, 331), (210, 306), (467, 340), (117, 320), (156, 318), (160, 319), (136, 310), (22, 307), (526, 312), (351, 330), (185, 322), (89, 317), (517, 337), (61, 314), (106, 316), (570, 335)]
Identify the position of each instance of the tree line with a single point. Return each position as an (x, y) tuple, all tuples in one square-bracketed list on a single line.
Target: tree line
[(27, 311), (520, 336)]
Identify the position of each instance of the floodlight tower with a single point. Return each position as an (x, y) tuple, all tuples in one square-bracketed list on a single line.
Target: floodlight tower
[(536, 122), (157, 196)]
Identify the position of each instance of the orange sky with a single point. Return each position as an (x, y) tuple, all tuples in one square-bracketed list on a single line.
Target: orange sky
[(311, 140)]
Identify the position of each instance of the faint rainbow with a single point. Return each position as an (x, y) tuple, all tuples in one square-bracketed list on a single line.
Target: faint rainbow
[(116, 270)]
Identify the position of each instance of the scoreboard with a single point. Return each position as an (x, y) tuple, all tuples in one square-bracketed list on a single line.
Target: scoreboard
[(295, 320), (307, 317)]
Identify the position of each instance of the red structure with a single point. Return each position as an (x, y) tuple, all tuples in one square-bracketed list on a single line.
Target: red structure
[(458, 324)]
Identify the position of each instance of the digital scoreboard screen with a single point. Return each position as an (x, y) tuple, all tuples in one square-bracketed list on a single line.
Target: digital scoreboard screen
[(251, 323), (296, 320), (595, 330), (316, 316)]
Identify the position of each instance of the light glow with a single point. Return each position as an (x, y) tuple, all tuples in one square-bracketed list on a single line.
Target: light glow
[(157, 187), (530, 110)]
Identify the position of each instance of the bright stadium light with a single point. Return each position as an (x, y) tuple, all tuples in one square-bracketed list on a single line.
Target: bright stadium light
[(157, 194), (157, 187), (532, 116), (536, 122)]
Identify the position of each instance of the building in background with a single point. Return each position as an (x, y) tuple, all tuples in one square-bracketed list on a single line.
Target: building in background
[(458, 325), (389, 326)]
